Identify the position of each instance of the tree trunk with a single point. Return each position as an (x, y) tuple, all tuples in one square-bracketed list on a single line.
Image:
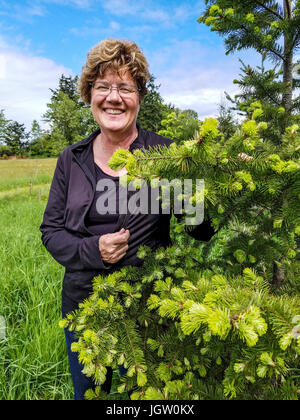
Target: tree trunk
[(288, 62), (278, 276), (288, 81), (287, 100)]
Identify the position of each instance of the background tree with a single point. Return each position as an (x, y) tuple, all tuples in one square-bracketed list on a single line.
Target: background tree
[(5, 151), (16, 137), (36, 145), (69, 119), (67, 85), (179, 125), (3, 124), (261, 25), (152, 108), (227, 119)]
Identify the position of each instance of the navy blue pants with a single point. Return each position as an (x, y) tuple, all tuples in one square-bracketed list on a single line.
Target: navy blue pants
[(81, 382)]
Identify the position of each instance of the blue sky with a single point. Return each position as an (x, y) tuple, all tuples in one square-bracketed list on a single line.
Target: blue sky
[(41, 39)]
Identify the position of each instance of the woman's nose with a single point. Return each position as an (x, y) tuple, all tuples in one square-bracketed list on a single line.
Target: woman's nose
[(114, 95)]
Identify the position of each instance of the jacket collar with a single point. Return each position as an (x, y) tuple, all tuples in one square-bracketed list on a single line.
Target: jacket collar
[(83, 149), (83, 152)]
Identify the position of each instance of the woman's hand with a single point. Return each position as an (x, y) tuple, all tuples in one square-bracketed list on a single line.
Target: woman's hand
[(113, 246)]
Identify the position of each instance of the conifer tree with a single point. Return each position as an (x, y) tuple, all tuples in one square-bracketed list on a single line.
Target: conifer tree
[(210, 320), (261, 25), (152, 108), (67, 85), (15, 137), (227, 118), (265, 85), (70, 120), (179, 125), (205, 320)]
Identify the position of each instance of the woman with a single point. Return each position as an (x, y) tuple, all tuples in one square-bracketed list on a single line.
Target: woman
[(86, 243)]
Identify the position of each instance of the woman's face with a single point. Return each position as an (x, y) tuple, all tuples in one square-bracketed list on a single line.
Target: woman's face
[(113, 112)]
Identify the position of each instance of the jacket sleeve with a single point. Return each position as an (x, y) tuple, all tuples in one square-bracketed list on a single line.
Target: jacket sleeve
[(69, 250)]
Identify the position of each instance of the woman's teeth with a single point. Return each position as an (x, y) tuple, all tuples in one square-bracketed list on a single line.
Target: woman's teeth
[(113, 111)]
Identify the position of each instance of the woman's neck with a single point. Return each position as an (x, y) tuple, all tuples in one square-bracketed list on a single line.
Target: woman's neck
[(108, 143), (105, 145)]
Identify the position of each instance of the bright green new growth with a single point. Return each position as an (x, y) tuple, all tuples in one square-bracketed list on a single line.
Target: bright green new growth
[(219, 320), (208, 320)]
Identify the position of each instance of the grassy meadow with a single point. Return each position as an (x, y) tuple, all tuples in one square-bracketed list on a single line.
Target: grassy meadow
[(33, 359), (33, 356)]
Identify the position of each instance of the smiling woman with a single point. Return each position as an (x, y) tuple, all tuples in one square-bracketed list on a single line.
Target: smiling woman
[(85, 241)]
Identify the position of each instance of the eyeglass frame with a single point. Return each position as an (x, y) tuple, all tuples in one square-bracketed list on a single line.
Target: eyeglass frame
[(111, 87)]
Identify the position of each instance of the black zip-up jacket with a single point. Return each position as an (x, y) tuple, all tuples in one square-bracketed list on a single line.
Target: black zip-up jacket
[(65, 234)]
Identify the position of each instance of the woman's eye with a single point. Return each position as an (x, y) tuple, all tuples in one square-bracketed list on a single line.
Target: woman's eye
[(125, 90), (102, 88)]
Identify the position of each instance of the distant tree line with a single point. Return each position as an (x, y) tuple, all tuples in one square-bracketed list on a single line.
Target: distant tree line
[(69, 119)]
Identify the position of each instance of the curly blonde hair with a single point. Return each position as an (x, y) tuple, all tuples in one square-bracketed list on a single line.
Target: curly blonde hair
[(118, 55)]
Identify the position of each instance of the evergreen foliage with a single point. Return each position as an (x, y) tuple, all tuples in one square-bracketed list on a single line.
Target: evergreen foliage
[(179, 125), (15, 137), (216, 320), (68, 86), (152, 108), (227, 120), (70, 120), (265, 85), (269, 27), (206, 320)]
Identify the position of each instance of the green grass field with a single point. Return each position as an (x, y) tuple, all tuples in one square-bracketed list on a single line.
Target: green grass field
[(22, 173), (33, 361), (33, 356)]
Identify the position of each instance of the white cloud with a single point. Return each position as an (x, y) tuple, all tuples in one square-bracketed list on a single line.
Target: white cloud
[(205, 98), (150, 11), (115, 26), (36, 10), (81, 4), (25, 81), (192, 76), (204, 101), (123, 7)]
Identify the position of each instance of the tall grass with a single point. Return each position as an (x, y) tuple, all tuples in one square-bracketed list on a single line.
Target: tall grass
[(33, 356), (33, 359)]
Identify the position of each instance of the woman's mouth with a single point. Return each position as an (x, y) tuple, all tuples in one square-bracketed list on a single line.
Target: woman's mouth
[(112, 111)]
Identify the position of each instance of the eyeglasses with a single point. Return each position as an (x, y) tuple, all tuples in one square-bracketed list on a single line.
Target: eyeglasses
[(125, 91)]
